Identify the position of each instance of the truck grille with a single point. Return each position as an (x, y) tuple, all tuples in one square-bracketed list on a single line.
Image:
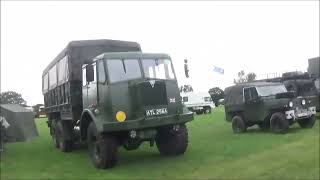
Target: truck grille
[(152, 95)]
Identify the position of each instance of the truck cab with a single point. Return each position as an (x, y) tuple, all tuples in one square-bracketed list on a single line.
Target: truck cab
[(131, 91)]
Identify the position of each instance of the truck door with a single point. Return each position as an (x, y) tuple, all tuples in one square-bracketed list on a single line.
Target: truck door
[(84, 89), (92, 84), (89, 88), (253, 105)]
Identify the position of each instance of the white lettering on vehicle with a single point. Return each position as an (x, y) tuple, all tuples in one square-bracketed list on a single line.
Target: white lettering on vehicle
[(154, 112)]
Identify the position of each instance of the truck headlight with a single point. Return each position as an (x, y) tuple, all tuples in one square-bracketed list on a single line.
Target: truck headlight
[(303, 102), (96, 111), (291, 104)]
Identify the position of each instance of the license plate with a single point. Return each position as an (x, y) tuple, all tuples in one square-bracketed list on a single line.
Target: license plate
[(302, 114), (155, 112)]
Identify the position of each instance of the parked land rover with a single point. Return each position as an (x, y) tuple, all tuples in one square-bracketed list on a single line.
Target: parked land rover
[(269, 105), (108, 94)]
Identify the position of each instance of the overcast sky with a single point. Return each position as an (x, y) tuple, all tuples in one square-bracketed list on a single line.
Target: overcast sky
[(260, 37)]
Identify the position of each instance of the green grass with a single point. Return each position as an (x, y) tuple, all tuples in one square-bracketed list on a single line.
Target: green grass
[(214, 152)]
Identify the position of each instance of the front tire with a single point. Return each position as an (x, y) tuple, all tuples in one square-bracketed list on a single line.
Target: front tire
[(238, 125), (307, 122), (103, 148), (172, 142), (278, 123)]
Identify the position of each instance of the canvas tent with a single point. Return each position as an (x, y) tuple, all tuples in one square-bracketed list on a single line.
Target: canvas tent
[(21, 123)]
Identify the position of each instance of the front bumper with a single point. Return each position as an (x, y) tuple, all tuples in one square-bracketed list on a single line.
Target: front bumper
[(300, 113), (150, 122)]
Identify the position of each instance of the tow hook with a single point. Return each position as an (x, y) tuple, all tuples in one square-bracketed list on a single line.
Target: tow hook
[(133, 134)]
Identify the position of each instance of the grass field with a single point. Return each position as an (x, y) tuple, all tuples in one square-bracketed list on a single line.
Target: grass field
[(214, 152)]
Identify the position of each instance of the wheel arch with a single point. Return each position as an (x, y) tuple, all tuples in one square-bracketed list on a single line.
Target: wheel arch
[(87, 117)]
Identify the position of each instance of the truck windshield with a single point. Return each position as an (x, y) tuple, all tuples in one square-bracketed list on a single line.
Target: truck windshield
[(123, 69), (158, 68), (271, 90)]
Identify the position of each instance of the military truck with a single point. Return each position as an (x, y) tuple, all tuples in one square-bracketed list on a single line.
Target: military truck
[(300, 83), (314, 71), (108, 94), (269, 105)]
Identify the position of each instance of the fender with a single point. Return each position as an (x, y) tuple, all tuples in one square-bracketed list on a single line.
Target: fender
[(84, 122)]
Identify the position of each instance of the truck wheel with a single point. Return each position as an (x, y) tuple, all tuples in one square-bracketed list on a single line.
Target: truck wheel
[(172, 142), (278, 123), (198, 112), (238, 124), (54, 137), (64, 143), (103, 148), (307, 122), (207, 110)]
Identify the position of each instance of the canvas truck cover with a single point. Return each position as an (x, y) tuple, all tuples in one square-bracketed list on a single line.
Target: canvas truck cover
[(68, 63), (234, 94), (21, 123)]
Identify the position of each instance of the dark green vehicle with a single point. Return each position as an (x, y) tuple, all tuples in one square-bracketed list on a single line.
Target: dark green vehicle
[(114, 95), (268, 105)]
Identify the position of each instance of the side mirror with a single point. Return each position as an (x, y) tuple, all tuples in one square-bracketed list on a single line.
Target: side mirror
[(89, 73)]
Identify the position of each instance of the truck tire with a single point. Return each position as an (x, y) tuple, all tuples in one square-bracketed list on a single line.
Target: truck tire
[(207, 110), (278, 123), (54, 137), (307, 122), (238, 124), (103, 148), (64, 143), (170, 142)]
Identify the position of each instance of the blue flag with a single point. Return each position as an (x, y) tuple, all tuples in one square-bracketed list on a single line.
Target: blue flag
[(218, 70)]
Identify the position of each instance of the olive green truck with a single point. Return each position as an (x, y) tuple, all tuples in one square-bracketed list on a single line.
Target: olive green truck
[(107, 94)]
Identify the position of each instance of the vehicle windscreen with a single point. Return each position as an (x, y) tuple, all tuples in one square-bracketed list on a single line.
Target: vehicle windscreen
[(123, 69), (271, 90), (157, 68)]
